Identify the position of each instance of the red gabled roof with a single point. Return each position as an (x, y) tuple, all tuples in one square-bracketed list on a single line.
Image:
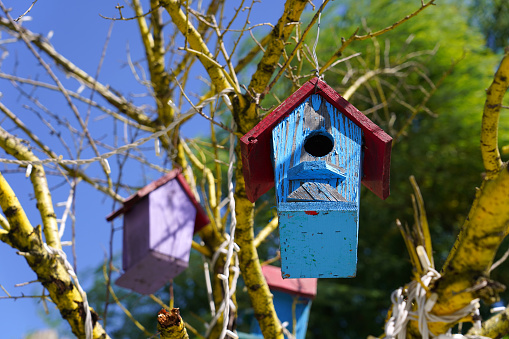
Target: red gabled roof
[(257, 151), (201, 216), (305, 287)]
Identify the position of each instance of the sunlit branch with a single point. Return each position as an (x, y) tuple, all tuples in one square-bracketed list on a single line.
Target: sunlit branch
[(61, 88), (217, 74), (50, 271), (125, 310), (417, 109), (489, 130), (26, 12), (296, 48), (119, 102), (266, 231), (233, 76), (13, 146), (252, 53), (4, 223), (73, 172), (421, 220), (81, 98)]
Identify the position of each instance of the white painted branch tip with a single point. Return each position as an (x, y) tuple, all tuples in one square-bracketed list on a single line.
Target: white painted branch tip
[(29, 170), (106, 165), (423, 258), (157, 146)]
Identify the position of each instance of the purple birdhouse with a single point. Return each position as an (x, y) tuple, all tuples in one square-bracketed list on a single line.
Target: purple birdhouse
[(159, 223)]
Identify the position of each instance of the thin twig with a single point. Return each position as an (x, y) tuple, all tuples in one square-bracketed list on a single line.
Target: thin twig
[(297, 47), (26, 12)]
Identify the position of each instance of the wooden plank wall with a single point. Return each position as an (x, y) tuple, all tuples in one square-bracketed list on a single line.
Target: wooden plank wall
[(288, 137)]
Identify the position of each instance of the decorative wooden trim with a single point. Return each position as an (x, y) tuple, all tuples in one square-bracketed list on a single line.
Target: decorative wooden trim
[(257, 152)]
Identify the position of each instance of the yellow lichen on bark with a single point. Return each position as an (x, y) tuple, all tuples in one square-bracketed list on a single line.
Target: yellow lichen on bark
[(49, 270), (196, 42), (489, 132), (14, 147), (257, 287), (465, 275)]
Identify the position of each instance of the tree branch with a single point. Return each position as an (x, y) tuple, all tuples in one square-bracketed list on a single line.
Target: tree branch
[(495, 327), (258, 290), (266, 231), (14, 147), (216, 74), (490, 118), (50, 271), (170, 324), (71, 171), (119, 102), (355, 37), (296, 48), (473, 253)]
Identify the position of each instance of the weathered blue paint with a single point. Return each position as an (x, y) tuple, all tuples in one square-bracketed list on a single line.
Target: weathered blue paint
[(320, 241), (311, 170), (318, 229), (283, 303)]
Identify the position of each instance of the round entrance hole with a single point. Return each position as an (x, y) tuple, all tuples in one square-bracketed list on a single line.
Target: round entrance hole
[(319, 144)]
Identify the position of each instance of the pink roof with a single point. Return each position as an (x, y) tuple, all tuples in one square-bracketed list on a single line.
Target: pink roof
[(257, 151), (201, 217), (305, 287)]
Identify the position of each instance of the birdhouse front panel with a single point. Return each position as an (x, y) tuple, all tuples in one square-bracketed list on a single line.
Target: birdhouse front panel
[(317, 144), (158, 232), (257, 144), (317, 169)]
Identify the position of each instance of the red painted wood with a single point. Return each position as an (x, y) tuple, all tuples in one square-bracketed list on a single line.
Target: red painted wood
[(305, 287), (257, 151), (201, 216)]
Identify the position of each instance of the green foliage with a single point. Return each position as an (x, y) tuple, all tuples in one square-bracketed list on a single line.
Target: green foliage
[(440, 147), (492, 18)]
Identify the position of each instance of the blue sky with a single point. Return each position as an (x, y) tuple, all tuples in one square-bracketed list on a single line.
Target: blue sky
[(77, 32)]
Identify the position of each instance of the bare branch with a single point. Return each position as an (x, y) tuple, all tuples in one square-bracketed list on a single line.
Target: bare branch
[(354, 37), (489, 130), (296, 48), (26, 12)]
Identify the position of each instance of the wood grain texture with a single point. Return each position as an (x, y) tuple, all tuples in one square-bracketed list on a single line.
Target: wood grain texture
[(158, 232), (202, 218), (320, 242), (318, 216), (316, 170), (289, 137), (257, 150), (315, 191)]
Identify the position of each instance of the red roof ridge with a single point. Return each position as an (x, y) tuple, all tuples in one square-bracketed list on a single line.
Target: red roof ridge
[(257, 153)]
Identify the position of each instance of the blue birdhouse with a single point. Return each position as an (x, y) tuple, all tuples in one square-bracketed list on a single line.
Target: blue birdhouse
[(292, 300), (317, 148)]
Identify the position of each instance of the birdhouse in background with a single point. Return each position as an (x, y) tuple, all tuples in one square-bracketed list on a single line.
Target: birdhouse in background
[(159, 223), (316, 148), (287, 293)]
